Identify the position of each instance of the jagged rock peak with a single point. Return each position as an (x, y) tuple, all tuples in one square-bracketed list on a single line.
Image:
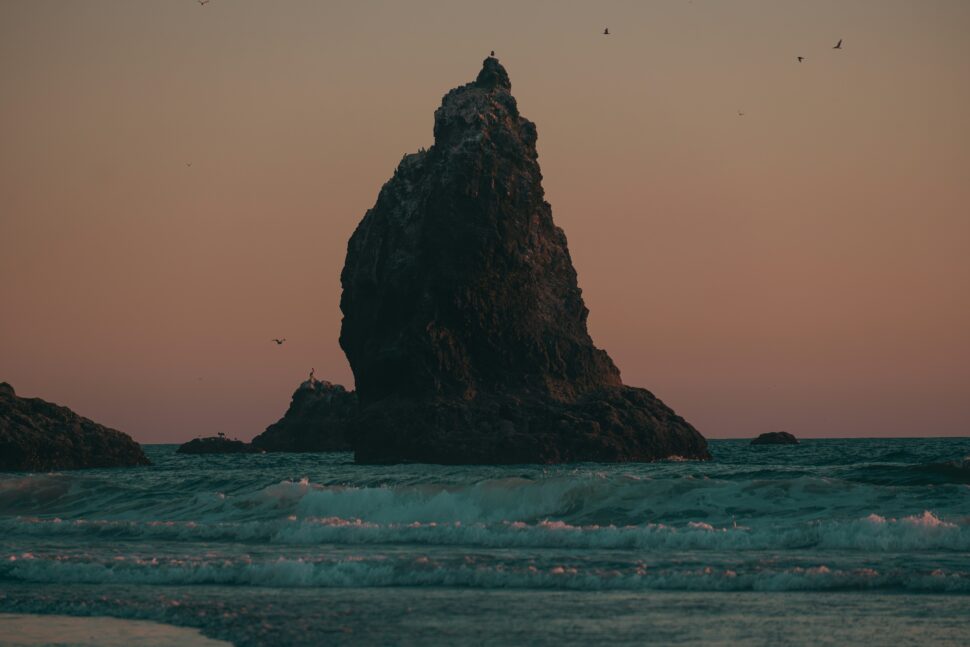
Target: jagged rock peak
[(484, 113), (493, 75)]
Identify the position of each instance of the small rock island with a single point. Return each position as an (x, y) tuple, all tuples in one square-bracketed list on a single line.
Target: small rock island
[(463, 321), (36, 435), (318, 420), (775, 438), (215, 445)]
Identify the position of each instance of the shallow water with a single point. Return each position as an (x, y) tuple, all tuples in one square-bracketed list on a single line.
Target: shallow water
[(774, 542)]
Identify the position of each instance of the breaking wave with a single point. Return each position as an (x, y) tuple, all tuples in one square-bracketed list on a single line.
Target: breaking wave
[(384, 571), (872, 533), (589, 498)]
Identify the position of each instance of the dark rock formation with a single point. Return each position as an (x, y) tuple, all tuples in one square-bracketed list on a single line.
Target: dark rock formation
[(215, 445), (775, 438), (37, 435), (463, 321), (318, 420)]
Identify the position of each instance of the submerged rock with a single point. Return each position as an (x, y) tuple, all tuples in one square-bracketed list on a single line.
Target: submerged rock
[(775, 438), (318, 420), (37, 435), (463, 321), (215, 445)]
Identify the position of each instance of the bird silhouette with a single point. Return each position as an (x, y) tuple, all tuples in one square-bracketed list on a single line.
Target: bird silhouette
[(838, 45), (203, 3), (740, 114), (606, 32), (279, 342), (801, 58)]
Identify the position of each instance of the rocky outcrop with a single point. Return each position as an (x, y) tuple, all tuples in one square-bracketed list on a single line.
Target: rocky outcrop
[(318, 420), (463, 321), (37, 435), (775, 438), (215, 445)]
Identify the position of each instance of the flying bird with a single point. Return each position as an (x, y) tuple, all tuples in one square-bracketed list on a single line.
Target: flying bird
[(801, 58), (606, 32), (838, 45), (203, 3), (740, 114), (279, 342)]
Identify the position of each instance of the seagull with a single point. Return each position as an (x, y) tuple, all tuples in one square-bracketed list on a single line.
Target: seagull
[(606, 32), (800, 58), (838, 45), (279, 342)]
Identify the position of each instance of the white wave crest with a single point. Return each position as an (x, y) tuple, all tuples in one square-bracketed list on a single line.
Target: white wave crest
[(424, 571), (873, 533)]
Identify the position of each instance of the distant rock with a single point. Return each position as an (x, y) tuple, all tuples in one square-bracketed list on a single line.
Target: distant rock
[(215, 445), (775, 438), (36, 435), (463, 321), (319, 420)]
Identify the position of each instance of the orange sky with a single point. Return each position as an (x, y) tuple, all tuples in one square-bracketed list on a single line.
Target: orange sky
[(803, 267)]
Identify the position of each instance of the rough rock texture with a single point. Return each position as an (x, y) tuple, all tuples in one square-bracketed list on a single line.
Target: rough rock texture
[(775, 438), (215, 445), (37, 435), (463, 321), (318, 420)]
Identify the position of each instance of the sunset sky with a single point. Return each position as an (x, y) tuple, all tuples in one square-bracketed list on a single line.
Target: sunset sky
[(178, 184)]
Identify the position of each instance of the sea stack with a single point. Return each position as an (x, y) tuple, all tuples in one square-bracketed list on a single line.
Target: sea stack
[(37, 435), (463, 322)]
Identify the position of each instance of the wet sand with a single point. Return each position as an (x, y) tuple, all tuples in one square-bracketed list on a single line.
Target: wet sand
[(17, 630)]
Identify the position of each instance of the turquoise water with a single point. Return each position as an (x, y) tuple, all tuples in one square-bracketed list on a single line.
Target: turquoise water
[(830, 541)]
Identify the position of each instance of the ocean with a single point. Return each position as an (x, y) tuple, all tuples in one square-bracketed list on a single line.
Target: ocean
[(827, 542)]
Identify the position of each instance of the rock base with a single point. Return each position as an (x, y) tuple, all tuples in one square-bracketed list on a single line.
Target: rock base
[(622, 424)]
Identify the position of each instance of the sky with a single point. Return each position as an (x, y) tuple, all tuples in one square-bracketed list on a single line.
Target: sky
[(178, 184)]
